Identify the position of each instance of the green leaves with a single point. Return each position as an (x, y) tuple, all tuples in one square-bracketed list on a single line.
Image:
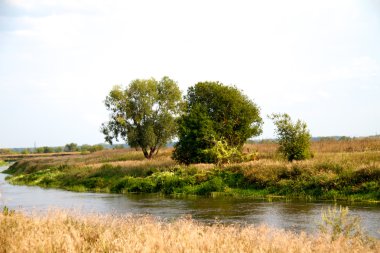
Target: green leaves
[(293, 138), (213, 110), (143, 114)]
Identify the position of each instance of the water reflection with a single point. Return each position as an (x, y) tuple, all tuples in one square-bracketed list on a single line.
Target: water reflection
[(293, 215)]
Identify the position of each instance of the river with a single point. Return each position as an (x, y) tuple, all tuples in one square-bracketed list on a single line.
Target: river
[(294, 215)]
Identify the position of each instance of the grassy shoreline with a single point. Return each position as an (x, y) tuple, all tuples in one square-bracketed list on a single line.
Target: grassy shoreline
[(348, 176)]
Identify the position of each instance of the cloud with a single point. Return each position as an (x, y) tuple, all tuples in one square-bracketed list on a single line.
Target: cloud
[(41, 8), (285, 55)]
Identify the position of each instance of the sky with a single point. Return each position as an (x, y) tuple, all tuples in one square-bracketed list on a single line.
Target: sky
[(318, 61)]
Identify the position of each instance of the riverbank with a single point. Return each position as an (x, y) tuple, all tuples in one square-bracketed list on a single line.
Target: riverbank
[(3, 163), (352, 176), (72, 232)]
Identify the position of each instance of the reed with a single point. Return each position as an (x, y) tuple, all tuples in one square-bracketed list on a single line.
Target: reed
[(60, 231)]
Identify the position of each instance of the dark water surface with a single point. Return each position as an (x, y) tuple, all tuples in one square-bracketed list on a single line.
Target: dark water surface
[(294, 215)]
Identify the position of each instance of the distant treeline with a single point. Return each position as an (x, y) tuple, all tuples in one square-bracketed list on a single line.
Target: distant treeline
[(70, 147), (319, 138), (73, 147)]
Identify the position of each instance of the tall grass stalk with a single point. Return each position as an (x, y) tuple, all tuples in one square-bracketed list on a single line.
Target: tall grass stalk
[(70, 232), (337, 222)]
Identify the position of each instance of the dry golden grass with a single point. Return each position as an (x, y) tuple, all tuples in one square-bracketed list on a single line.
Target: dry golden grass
[(21, 156), (323, 165), (356, 160), (324, 146), (63, 232), (101, 157), (156, 163), (354, 145), (266, 151)]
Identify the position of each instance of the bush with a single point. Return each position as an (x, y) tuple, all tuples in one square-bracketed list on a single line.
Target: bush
[(337, 222), (222, 153), (71, 147), (6, 151), (90, 149), (214, 185), (44, 149), (294, 138), (131, 184)]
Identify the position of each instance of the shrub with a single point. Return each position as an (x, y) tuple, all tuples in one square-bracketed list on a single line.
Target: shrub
[(71, 147), (337, 222), (294, 138), (214, 185), (222, 153)]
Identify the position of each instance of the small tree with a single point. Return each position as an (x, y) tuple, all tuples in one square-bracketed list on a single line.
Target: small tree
[(71, 147), (25, 151), (58, 149), (143, 114), (85, 148), (294, 138), (46, 149), (95, 148)]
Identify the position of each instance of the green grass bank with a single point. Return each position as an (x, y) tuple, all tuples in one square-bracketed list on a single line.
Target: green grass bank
[(353, 176)]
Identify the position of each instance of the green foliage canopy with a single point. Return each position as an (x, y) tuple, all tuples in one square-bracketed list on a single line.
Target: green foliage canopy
[(44, 149), (71, 147), (91, 149), (5, 151), (214, 111), (294, 138), (143, 114)]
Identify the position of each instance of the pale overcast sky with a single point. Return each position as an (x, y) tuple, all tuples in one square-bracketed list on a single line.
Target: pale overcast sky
[(315, 60)]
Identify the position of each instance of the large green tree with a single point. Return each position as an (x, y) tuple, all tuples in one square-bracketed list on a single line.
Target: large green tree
[(143, 114), (293, 137), (214, 111)]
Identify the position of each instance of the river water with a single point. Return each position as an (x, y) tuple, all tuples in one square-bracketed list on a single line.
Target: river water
[(295, 215)]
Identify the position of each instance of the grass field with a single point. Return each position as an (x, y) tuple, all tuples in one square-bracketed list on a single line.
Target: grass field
[(70, 232), (13, 156), (347, 170)]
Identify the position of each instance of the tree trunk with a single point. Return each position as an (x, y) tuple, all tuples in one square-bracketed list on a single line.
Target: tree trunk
[(152, 151), (146, 154)]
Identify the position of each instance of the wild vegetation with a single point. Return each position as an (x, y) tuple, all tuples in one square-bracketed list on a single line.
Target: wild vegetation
[(60, 231), (215, 114), (143, 114), (331, 174), (5, 151), (68, 149), (293, 138)]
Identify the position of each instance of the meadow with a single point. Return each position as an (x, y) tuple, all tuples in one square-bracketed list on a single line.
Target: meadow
[(60, 231), (339, 170)]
